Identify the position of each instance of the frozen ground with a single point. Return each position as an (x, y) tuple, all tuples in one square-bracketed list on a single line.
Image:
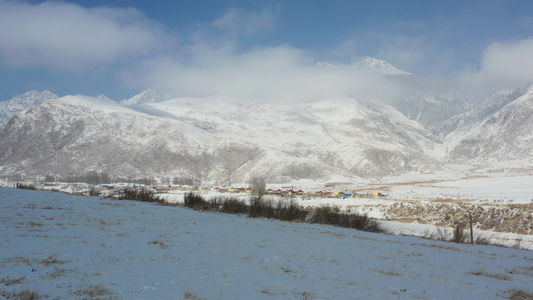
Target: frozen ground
[(64, 246)]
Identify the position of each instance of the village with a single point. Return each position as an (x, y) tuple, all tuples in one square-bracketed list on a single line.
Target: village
[(279, 192), (112, 189)]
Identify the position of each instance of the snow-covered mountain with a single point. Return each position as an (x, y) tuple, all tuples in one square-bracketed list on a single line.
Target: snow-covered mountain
[(431, 124), (368, 64), (215, 139), (22, 103), (147, 96), (504, 135)]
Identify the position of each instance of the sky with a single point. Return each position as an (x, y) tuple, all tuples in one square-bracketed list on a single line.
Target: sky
[(240, 48)]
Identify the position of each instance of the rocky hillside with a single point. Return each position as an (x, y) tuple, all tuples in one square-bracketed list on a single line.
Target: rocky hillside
[(22, 103), (215, 139)]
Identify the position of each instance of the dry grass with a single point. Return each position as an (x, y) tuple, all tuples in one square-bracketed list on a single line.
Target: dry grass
[(516, 294), (94, 291), (17, 260), (11, 281), (450, 201), (160, 243), (490, 275), (388, 273), (57, 272), (191, 296), (22, 295), (286, 270), (439, 247), (51, 260)]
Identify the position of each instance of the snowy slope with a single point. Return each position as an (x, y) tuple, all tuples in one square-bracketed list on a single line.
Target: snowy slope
[(225, 137), (22, 103), (505, 135), (76, 133), (64, 247), (335, 135)]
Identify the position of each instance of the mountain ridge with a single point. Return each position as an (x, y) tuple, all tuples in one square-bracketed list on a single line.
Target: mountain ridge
[(224, 140), (22, 103)]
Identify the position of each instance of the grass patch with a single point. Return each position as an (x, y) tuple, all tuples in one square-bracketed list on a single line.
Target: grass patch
[(160, 243), (516, 294), (17, 260), (11, 281), (94, 291), (388, 273), (51, 260), (490, 275), (58, 272), (191, 296), (22, 295)]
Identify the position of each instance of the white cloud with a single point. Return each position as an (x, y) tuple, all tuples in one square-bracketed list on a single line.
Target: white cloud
[(279, 72), (67, 36), (505, 65)]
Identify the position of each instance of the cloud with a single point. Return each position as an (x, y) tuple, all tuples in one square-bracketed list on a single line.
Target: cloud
[(213, 63), (226, 33), (505, 65), (412, 54), (70, 37), (281, 72)]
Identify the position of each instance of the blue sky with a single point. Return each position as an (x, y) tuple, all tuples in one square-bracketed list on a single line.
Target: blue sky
[(242, 48)]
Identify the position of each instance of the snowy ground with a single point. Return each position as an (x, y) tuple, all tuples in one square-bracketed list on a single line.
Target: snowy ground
[(64, 246)]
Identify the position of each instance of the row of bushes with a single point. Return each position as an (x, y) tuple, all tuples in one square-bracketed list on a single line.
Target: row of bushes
[(139, 195), (282, 210), (25, 186)]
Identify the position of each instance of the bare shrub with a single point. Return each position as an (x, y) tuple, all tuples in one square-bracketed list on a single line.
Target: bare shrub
[(233, 205), (215, 203), (140, 195), (260, 208), (459, 235), (333, 216), (195, 201), (483, 240), (25, 186), (94, 192), (289, 211)]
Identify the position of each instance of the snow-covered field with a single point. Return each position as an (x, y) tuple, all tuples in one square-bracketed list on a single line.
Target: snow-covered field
[(64, 246)]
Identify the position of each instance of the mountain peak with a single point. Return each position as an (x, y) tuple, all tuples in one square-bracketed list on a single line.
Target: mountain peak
[(150, 95), (378, 65), (22, 103), (368, 63)]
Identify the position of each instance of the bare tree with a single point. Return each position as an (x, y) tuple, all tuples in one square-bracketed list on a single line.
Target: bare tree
[(258, 184)]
